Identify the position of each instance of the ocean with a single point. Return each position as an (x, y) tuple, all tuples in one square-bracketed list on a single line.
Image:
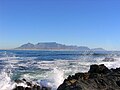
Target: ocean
[(50, 66)]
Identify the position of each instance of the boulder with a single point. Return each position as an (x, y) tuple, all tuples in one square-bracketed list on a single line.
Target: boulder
[(100, 69), (109, 59)]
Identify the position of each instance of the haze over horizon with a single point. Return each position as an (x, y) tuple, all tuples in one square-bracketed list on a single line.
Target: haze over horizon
[(91, 23)]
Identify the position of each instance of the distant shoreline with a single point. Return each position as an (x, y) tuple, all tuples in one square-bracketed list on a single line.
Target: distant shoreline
[(54, 50), (45, 49)]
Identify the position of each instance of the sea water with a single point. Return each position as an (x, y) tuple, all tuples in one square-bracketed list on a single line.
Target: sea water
[(48, 67)]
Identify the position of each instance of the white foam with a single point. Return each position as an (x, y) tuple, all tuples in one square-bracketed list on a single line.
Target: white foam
[(58, 70), (115, 64), (5, 81), (57, 77), (5, 74), (45, 83), (22, 84)]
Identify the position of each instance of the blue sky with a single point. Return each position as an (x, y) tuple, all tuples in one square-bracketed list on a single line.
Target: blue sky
[(92, 23)]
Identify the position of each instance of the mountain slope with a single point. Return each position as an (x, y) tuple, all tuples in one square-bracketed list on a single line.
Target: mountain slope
[(52, 46)]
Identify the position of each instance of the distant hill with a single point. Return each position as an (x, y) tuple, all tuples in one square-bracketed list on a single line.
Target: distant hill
[(53, 46)]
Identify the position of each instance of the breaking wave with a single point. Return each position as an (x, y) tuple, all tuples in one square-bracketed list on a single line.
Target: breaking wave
[(47, 68)]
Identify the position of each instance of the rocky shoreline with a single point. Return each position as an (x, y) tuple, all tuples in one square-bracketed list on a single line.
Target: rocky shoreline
[(99, 77), (30, 85)]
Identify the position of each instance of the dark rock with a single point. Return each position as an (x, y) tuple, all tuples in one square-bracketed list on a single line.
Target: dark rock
[(30, 85), (118, 83), (18, 81), (28, 88), (36, 87), (99, 77), (100, 69), (19, 88), (24, 79), (109, 60)]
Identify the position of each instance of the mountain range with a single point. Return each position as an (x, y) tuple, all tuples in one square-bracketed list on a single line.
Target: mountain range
[(55, 46)]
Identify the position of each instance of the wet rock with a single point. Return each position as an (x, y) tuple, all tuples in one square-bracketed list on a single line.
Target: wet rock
[(109, 60), (28, 88), (100, 69), (36, 87), (118, 83), (28, 85), (19, 81), (19, 88), (99, 77)]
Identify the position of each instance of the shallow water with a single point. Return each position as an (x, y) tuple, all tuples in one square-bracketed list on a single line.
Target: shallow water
[(50, 66)]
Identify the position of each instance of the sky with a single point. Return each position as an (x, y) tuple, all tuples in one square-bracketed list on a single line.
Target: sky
[(92, 23)]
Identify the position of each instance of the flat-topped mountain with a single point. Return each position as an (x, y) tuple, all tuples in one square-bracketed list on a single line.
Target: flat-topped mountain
[(52, 46)]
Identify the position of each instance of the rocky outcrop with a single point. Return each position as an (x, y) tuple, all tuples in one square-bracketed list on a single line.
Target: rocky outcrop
[(29, 85), (109, 59), (99, 77)]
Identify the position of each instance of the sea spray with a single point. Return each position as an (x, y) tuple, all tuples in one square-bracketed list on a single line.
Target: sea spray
[(57, 77), (5, 79), (50, 72), (114, 64), (6, 74)]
